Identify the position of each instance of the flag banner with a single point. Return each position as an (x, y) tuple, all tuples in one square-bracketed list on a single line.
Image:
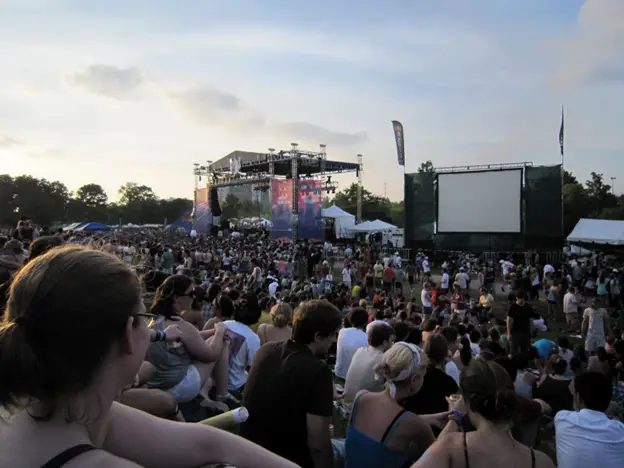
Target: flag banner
[(561, 133), (202, 218), (281, 210), (310, 226), (400, 143)]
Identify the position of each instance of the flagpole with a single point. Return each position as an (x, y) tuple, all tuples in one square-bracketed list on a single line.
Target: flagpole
[(562, 148)]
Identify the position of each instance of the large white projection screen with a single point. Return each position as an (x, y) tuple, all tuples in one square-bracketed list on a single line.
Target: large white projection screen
[(480, 202)]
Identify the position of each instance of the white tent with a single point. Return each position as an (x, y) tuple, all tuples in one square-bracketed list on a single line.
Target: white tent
[(374, 226), (343, 221), (597, 231), (335, 212)]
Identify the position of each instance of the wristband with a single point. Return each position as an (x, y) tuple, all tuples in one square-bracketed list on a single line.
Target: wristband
[(163, 336)]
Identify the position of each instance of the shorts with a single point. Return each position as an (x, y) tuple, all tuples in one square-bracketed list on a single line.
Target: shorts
[(594, 341), (188, 388)]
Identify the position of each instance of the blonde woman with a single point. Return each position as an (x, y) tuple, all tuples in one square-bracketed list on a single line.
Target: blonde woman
[(381, 432), (280, 330)]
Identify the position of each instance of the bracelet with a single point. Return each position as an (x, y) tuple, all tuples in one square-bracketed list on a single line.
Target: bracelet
[(164, 336), (157, 335)]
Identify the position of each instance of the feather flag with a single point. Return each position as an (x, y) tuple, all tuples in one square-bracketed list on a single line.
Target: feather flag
[(400, 143)]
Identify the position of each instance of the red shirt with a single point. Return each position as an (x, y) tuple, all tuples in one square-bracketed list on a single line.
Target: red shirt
[(388, 275)]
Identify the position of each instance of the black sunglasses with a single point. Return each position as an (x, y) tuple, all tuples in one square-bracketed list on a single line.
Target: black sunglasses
[(147, 317)]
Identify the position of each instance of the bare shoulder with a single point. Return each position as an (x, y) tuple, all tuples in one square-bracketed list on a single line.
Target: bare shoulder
[(543, 461), (100, 459)]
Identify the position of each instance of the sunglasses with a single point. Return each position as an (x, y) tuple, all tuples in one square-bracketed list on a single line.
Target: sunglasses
[(147, 318)]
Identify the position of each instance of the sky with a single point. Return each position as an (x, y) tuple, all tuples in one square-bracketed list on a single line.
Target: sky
[(137, 90)]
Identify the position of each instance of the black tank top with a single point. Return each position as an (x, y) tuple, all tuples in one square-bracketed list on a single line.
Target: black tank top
[(468, 461)]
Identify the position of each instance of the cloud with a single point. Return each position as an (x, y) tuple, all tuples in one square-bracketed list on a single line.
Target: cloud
[(595, 52), (210, 107), (303, 131), (48, 154), (7, 141), (107, 80)]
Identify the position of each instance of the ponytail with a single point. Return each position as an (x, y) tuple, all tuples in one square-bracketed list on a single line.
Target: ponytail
[(465, 352), (20, 371)]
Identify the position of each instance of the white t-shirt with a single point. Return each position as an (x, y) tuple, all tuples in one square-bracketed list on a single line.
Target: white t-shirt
[(444, 282), (425, 298), (386, 262), (588, 438), (273, 288), (426, 266), (463, 279), (346, 276), (349, 341), (361, 374), (237, 373), (452, 371), (506, 265)]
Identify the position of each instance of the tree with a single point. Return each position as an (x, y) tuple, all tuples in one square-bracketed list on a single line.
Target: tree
[(600, 193), (172, 208), (373, 206), (133, 193), (426, 166), (568, 178), (92, 195)]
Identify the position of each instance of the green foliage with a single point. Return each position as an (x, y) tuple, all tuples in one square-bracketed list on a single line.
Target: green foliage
[(52, 203), (594, 199), (373, 206)]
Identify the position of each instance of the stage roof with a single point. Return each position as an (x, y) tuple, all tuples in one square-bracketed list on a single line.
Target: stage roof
[(257, 163)]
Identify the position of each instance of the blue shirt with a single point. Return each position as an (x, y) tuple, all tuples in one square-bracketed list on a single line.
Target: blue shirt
[(545, 348)]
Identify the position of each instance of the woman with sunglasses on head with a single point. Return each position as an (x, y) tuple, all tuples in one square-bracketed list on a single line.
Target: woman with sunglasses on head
[(73, 337), (185, 368), (381, 432)]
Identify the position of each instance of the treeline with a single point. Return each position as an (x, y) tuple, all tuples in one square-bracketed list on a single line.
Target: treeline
[(51, 203), (593, 199)]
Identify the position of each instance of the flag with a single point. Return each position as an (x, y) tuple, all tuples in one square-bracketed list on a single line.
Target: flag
[(561, 133), (400, 144)]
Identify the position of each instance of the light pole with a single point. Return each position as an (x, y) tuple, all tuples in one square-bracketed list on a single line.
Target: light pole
[(613, 185)]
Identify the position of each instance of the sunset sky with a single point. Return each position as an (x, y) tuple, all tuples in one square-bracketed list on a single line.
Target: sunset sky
[(136, 90)]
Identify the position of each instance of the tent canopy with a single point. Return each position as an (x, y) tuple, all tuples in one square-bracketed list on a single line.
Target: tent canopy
[(335, 212), (597, 231), (91, 227), (73, 226), (374, 226)]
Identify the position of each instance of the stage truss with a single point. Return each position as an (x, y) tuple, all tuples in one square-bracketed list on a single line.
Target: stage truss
[(259, 169)]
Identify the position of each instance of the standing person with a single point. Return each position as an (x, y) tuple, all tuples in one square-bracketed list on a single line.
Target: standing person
[(388, 279), (444, 282), (520, 324), (425, 298), (289, 391), (595, 323), (570, 308)]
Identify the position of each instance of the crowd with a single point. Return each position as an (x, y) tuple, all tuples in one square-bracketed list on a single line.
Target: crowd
[(112, 346)]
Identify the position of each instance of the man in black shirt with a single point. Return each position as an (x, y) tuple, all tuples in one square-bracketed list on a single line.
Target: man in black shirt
[(289, 391), (520, 324)]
